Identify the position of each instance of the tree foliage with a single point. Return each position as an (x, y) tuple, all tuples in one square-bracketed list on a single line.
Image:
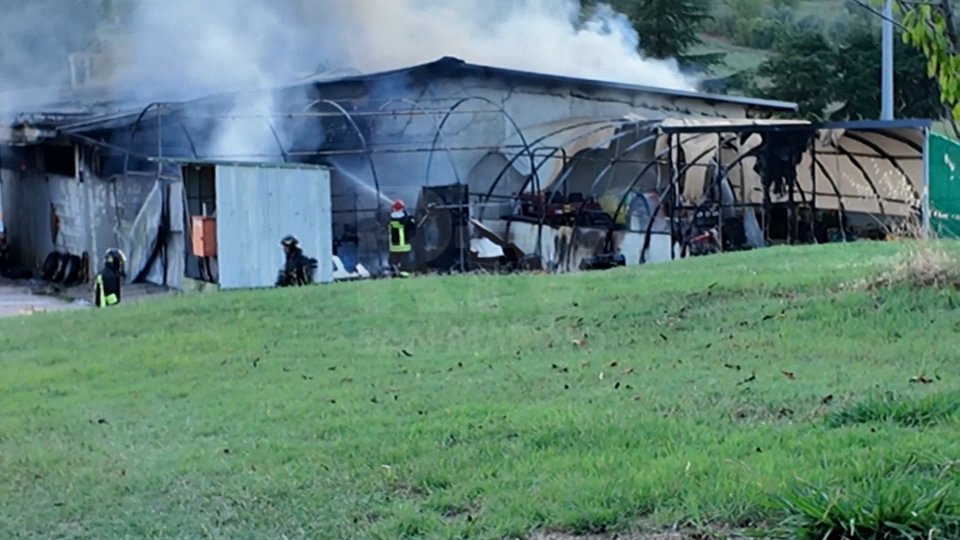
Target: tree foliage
[(804, 64), (670, 28), (859, 69), (931, 28), (842, 81)]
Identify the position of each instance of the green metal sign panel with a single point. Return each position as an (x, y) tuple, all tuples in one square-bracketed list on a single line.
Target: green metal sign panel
[(944, 175)]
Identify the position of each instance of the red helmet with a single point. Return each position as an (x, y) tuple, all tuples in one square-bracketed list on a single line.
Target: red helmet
[(398, 206)]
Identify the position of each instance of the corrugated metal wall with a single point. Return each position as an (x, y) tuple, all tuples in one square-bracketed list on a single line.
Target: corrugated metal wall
[(259, 205)]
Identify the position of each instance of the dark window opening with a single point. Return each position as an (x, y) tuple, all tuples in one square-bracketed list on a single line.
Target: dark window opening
[(199, 183), (59, 160)]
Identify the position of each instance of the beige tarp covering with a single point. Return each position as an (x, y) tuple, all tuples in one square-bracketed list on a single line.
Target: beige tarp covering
[(575, 135), (578, 134), (897, 181), (700, 148), (895, 190), (896, 184)]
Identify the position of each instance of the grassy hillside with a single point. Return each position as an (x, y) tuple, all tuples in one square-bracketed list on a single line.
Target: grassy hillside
[(736, 58), (732, 391)]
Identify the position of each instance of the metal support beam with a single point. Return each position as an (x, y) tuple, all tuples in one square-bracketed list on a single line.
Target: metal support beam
[(887, 83)]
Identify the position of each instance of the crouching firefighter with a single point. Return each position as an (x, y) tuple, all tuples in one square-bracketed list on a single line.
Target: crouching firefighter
[(402, 228), (298, 269), (107, 285)]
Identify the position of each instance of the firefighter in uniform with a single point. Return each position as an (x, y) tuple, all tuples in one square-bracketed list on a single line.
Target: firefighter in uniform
[(107, 285), (401, 230), (298, 269)]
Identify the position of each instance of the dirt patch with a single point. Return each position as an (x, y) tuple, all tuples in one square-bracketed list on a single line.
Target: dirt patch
[(16, 299), (19, 298)]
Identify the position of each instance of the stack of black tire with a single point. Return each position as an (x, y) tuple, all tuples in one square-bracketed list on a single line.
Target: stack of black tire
[(62, 268)]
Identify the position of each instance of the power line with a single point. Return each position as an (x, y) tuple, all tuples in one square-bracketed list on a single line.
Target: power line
[(902, 3), (878, 13)]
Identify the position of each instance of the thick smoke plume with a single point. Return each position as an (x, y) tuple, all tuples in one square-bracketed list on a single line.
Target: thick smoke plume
[(170, 49), (167, 50), (549, 36)]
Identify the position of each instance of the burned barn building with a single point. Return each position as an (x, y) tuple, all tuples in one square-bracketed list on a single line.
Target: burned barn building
[(502, 169)]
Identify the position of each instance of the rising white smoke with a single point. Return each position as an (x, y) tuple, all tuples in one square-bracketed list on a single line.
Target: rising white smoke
[(175, 48), (179, 49), (544, 36)]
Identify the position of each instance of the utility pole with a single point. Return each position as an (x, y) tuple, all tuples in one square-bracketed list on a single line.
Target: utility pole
[(887, 83)]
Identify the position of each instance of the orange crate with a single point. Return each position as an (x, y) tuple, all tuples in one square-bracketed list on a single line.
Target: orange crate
[(204, 236)]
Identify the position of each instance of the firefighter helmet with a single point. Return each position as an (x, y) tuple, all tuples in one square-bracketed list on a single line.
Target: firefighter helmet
[(289, 241), (115, 256)]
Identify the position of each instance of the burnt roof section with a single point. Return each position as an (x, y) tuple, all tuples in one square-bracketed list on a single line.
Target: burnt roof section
[(453, 68), (444, 68)]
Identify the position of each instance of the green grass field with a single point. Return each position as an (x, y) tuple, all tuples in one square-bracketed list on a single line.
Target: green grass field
[(752, 390)]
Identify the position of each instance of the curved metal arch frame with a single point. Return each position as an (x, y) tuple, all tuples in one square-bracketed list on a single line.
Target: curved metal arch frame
[(417, 106), (903, 140), (713, 182), (885, 155), (534, 177), (135, 128), (453, 109), (604, 124), (833, 184), (673, 181), (613, 138), (803, 196), (366, 150), (616, 158), (673, 184), (273, 131), (575, 158), (842, 209), (503, 171), (609, 166), (866, 176), (716, 180), (656, 159)]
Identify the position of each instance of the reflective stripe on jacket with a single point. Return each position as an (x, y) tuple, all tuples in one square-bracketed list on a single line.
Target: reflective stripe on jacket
[(104, 300), (398, 237)]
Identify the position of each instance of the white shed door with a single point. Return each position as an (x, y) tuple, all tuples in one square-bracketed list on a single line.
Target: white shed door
[(256, 207)]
